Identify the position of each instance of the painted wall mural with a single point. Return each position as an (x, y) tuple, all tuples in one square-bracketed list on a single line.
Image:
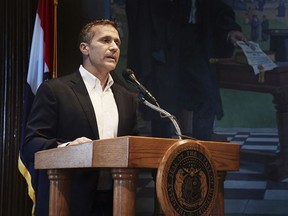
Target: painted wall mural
[(263, 21)]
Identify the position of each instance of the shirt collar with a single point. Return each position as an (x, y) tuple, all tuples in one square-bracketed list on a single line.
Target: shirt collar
[(92, 81)]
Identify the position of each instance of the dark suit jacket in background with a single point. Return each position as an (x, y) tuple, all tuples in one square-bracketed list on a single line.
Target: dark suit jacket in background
[(161, 45), (62, 111)]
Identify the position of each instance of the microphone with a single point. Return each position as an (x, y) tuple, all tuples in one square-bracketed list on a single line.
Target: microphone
[(129, 76)]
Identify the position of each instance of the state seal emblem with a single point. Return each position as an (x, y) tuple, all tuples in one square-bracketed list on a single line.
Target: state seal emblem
[(187, 182)]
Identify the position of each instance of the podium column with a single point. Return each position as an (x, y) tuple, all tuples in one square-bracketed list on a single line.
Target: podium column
[(219, 205), (59, 198), (124, 197)]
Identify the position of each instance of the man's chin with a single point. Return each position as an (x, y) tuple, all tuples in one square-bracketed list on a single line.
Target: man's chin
[(111, 67)]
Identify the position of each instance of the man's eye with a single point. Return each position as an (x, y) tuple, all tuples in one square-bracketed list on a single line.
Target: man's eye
[(118, 43), (110, 40)]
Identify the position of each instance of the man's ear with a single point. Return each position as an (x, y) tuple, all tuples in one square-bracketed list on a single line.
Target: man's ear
[(84, 48)]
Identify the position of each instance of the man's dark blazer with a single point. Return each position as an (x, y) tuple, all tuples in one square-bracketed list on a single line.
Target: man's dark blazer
[(62, 111)]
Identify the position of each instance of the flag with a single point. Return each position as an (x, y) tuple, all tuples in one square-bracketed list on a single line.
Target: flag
[(41, 67)]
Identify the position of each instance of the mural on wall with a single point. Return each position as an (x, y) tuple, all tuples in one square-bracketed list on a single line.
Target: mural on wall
[(260, 18)]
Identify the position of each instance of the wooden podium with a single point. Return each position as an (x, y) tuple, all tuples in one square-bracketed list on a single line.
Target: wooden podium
[(125, 156)]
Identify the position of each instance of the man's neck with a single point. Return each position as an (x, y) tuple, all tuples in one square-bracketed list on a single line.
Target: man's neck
[(101, 75)]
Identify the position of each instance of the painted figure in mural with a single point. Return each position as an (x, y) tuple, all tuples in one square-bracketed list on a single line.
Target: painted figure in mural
[(264, 28), (255, 24), (170, 54), (281, 9), (249, 15), (261, 4)]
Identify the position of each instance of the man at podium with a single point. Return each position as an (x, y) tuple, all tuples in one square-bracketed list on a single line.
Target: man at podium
[(83, 106)]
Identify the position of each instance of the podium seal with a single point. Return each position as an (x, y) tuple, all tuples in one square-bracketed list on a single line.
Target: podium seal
[(187, 182)]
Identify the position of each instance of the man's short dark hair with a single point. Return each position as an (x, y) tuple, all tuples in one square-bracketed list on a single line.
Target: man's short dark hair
[(86, 35)]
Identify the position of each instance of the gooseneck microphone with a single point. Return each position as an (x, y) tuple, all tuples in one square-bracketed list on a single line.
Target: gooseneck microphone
[(129, 76)]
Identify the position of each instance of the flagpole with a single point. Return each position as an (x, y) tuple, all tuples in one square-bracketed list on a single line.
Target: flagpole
[(55, 62)]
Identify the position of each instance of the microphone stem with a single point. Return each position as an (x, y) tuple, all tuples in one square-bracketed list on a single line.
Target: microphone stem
[(165, 113)]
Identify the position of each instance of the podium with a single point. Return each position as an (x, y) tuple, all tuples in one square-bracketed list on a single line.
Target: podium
[(125, 156)]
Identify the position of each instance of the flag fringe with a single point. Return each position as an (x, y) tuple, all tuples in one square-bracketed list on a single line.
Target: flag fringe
[(25, 173)]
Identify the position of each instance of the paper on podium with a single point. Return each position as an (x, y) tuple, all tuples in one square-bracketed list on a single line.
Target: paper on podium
[(256, 58)]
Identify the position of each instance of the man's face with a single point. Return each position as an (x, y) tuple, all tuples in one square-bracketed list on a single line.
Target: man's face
[(103, 51)]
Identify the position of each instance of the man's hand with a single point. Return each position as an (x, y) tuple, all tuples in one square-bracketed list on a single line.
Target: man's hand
[(79, 141)]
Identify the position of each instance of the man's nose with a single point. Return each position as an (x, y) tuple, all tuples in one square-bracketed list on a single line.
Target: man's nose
[(114, 45)]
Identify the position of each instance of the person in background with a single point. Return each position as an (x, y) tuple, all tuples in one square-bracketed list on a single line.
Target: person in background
[(169, 47), (80, 107)]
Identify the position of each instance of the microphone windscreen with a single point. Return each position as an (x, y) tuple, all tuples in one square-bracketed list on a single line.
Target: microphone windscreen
[(127, 73)]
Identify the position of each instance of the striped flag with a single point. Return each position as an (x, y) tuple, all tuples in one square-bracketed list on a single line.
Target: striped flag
[(41, 67)]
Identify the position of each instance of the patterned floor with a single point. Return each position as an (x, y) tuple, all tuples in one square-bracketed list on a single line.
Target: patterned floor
[(248, 191)]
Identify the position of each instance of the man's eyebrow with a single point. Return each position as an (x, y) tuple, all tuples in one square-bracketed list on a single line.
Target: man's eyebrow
[(118, 40)]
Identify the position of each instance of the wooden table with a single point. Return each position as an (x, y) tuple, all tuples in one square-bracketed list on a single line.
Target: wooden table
[(241, 77)]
